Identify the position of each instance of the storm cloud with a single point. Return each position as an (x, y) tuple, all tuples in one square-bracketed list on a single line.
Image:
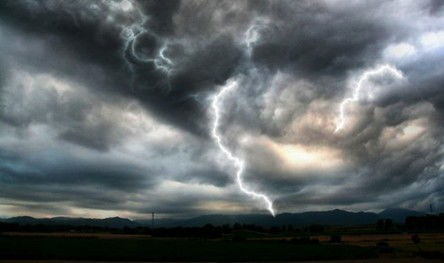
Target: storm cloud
[(105, 106)]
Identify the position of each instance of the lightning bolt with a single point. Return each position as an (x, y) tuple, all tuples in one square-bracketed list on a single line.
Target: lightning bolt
[(364, 77), (162, 62), (132, 32), (253, 34), (237, 161)]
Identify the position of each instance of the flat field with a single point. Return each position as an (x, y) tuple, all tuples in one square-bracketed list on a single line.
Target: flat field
[(114, 247)]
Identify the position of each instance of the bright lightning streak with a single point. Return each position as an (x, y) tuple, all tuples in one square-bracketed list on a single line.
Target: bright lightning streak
[(367, 75), (253, 35), (238, 162), (162, 62), (131, 33)]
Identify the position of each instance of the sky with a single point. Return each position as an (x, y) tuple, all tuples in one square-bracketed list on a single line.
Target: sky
[(111, 108)]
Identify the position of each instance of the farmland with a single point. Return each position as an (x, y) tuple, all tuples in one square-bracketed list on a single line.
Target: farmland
[(123, 247)]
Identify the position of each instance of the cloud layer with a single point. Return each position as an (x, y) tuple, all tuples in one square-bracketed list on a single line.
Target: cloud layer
[(105, 106)]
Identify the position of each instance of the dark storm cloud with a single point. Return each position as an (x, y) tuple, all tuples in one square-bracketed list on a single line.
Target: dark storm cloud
[(311, 38), (209, 176), (19, 172), (73, 86), (435, 6), (174, 99), (427, 82), (314, 40), (352, 39), (162, 13), (89, 42)]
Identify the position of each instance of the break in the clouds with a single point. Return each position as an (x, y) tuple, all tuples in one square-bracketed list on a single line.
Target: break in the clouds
[(106, 106)]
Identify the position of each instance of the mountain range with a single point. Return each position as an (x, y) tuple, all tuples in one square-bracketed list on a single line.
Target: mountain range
[(332, 217)]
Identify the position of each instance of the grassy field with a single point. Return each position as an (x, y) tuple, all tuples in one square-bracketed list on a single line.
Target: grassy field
[(113, 247), (402, 244), (148, 249)]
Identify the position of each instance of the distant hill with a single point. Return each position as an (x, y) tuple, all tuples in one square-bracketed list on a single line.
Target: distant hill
[(112, 222), (332, 217)]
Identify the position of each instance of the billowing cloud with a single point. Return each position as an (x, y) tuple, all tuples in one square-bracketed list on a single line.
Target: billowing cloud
[(105, 105)]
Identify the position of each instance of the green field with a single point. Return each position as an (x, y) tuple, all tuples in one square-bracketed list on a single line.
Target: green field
[(148, 249)]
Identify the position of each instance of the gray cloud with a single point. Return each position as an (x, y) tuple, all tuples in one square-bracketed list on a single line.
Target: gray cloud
[(90, 122)]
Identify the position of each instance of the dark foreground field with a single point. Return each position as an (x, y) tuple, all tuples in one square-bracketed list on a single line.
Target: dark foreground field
[(146, 249), (46, 247)]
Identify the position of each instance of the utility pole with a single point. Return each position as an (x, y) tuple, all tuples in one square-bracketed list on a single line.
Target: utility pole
[(152, 220)]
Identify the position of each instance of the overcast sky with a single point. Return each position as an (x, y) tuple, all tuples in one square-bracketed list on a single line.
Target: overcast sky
[(106, 106)]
